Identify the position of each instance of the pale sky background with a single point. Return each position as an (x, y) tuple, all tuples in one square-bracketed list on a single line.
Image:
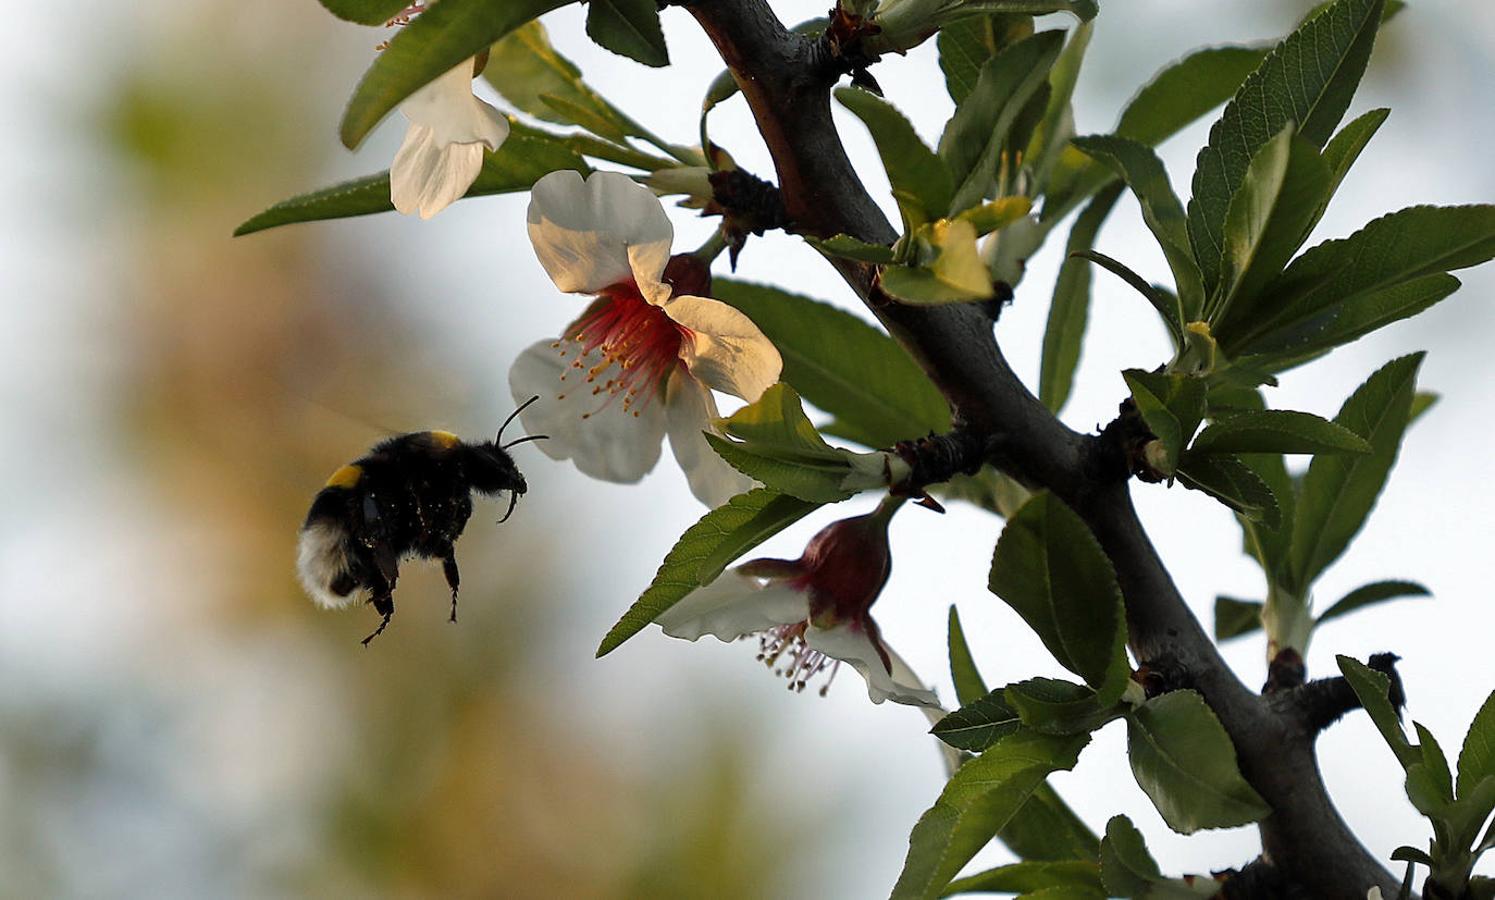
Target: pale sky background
[(84, 554)]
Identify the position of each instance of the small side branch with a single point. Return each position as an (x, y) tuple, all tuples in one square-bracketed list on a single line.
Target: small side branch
[(1322, 702)]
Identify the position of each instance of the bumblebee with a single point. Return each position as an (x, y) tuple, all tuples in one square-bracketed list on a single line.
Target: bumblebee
[(409, 497)]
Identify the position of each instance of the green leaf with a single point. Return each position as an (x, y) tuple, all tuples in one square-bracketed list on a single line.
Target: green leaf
[(1049, 568), (978, 724), (1374, 690), (1477, 758), (776, 444), (1271, 546), (1233, 483), (1345, 147), (1278, 431), (1284, 191), (921, 182), (526, 69), (1339, 491), (1143, 172), (1025, 877), (1125, 865), (1176, 96), (1234, 618), (949, 267), (1165, 303), (1435, 762), (1057, 125), (1045, 828), (966, 44), (974, 137), (1308, 79), (526, 157), (1184, 761), (1070, 307), (1172, 405), (1342, 289), (704, 550), (997, 214), (628, 28), (812, 480), (848, 247), (969, 685), (433, 43), (979, 799), (1375, 592), (838, 362), (1055, 706), (365, 12)]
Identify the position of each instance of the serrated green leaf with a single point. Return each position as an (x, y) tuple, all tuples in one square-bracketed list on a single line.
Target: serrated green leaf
[(1435, 761), (1234, 618), (1345, 147), (846, 246), (1049, 568), (1277, 431), (704, 550), (1477, 758), (1233, 483), (1342, 289), (1375, 592), (443, 36), (526, 157), (1308, 79), (1271, 546), (921, 181), (811, 480), (1027, 877), (1055, 706), (978, 724), (969, 685), (1279, 200), (1070, 307), (976, 134), (1045, 828), (525, 68), (1165, 303), (843, 365), (979, 799), (1185, 762), (966, 44), (1180, 93), (1172, 405), (777, 445), (365, 12), (1127, 869), (1339, 491), (1054, 130), (628, 28), (1374, 690), (1143, 172)]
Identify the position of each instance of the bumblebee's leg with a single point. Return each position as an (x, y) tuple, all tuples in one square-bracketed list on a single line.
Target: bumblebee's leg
[(449, 568), (513, 499), (385, 606)]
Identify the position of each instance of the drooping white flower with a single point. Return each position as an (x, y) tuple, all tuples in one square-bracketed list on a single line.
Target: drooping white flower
[(443, 149), (812, 613), (641, 362)]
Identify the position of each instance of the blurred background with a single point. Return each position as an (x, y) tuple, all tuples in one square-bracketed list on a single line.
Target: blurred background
[(176, 719)]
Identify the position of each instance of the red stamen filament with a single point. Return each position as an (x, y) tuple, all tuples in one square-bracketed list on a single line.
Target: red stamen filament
[(633, 335)]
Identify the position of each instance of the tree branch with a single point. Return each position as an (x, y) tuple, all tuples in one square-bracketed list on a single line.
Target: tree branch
[(787, 87)]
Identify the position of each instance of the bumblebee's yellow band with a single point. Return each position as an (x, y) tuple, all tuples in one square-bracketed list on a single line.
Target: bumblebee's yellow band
[(444, 439), (345, 477)]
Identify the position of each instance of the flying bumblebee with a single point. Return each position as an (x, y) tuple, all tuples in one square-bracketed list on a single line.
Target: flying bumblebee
[(409, 497)]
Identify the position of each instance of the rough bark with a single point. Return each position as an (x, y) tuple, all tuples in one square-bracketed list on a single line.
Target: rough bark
[(786, 80)]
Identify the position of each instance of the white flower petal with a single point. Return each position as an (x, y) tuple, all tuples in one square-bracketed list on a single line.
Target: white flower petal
[(427, 177), (854, 647), (689, 409), (726, 351), (596, 233), (595, 431), (449, 109), (732, 606)]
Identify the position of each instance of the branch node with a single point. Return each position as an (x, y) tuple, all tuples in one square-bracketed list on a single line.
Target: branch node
[(939, 457)]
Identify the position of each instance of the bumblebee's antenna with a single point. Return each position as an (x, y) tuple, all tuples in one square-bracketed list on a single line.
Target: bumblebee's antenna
[(528, 437), (512, 416)]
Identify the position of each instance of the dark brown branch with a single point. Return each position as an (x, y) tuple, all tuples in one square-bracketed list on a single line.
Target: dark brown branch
[(787, 86)]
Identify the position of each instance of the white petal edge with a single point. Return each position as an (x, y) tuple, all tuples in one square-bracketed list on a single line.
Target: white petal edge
[(448, 107), (427, 177), (726, 350), (732, 606), (854, 647), (689, 411), (592, 234), (594, 431)]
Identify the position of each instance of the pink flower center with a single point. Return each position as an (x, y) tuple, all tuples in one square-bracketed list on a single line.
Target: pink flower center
[(626, 346), (783, 649)]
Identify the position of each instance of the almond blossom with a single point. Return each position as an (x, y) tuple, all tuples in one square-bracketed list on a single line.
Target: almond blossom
[(443, 149), (641, 362), (810, 614)]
